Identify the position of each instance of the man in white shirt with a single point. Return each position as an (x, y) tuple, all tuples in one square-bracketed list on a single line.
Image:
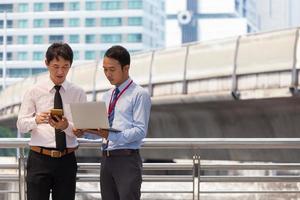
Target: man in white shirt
[(51, 164)]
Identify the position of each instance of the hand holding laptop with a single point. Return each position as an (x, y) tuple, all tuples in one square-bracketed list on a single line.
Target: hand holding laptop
[(100, 132)]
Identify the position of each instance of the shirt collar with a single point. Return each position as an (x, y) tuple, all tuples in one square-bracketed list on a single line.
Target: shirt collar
[(50, 85), (123, 85)]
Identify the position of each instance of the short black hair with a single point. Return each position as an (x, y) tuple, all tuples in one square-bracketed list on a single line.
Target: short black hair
[(118, 53), (59, 49)]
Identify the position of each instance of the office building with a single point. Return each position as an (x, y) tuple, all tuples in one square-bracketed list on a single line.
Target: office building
[(194, 20), (268, 15), (89, 26)]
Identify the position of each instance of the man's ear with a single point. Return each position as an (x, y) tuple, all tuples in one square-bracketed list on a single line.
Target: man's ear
[(46, 63), (126, 68)]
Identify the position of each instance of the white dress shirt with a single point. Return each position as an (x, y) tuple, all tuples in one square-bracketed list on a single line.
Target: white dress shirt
[(40, 98)]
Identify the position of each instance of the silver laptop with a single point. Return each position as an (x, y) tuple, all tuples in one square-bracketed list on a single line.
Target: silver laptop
[(90, 115)]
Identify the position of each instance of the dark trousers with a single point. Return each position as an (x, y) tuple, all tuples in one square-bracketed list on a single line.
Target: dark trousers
[(45, 174), (121, 177)]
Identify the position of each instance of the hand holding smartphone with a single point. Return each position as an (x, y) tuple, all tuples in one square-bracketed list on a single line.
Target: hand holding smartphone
[(56, 112)]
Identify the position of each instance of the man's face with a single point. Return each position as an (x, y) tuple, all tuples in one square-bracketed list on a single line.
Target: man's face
[(58, 69), (114, 72)]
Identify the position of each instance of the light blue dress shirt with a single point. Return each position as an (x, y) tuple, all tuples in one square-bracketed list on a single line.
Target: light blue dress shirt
[(132, 112)]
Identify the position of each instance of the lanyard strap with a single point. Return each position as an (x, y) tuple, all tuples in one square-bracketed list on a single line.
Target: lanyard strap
[(112, 103)]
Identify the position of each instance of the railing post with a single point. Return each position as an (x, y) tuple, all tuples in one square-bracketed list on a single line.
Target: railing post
[(21, 168), (196, 177)]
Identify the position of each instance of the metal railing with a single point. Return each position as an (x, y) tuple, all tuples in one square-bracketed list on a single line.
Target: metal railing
[(194, 167)]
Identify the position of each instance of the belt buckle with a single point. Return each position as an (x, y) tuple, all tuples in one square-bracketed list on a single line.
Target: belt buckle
[(55, 154)]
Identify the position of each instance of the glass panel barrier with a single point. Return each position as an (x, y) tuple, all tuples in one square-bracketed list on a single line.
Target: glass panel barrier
[(266, 52), (211, 58), (168, 65)]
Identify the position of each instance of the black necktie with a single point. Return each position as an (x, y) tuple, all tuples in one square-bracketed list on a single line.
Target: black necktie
[(60, 136)]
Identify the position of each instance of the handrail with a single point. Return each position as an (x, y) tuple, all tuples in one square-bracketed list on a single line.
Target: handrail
[(89, 172), (183, 143)]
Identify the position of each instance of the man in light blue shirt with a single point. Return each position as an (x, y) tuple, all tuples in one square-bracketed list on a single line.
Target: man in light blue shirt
[(128, 106)]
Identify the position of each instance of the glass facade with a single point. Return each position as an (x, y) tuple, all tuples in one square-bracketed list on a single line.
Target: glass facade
[(37, 55), (111, 38), (74, 5), (23, 23), (38, 39), (135, 21), (38, 23), (111, 21), (111, 5), (56, 22), (56, 6), (56, 38), (90, 39), (22, 55), (90, 5), (38, 7), (90, 55), (134, 37), (135, 4), (74, 39), (23, 7), (8, 7), (90, 22), (22, 39), (74, 22)]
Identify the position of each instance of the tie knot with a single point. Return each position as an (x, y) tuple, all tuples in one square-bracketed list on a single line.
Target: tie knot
[(57, 87), (117, 91)]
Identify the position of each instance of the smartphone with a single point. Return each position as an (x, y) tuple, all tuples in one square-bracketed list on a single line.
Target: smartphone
[(57, 112)]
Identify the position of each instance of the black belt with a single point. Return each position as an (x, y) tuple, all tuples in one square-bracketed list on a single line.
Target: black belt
[(119, 152)]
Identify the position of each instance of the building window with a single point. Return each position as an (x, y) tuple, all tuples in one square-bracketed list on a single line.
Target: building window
[(22, 39), (22, 55), (111, 21), (89, 39), (38, 70), (38, 7), (56, 23), (56, 38), (135, 21), (9, 39), (6, 7), (90, 22), (74, 22), (90, 5), (135, 4), (74, 39), (90, 55), (38, 23), (23, 7), (37, 55), (111, 38), (23, 23), (111, 5), (74, 5), (135, 37), (9, 24), (38, 39), (76, 55), (9, 56), (18, 73), (56, 6)]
